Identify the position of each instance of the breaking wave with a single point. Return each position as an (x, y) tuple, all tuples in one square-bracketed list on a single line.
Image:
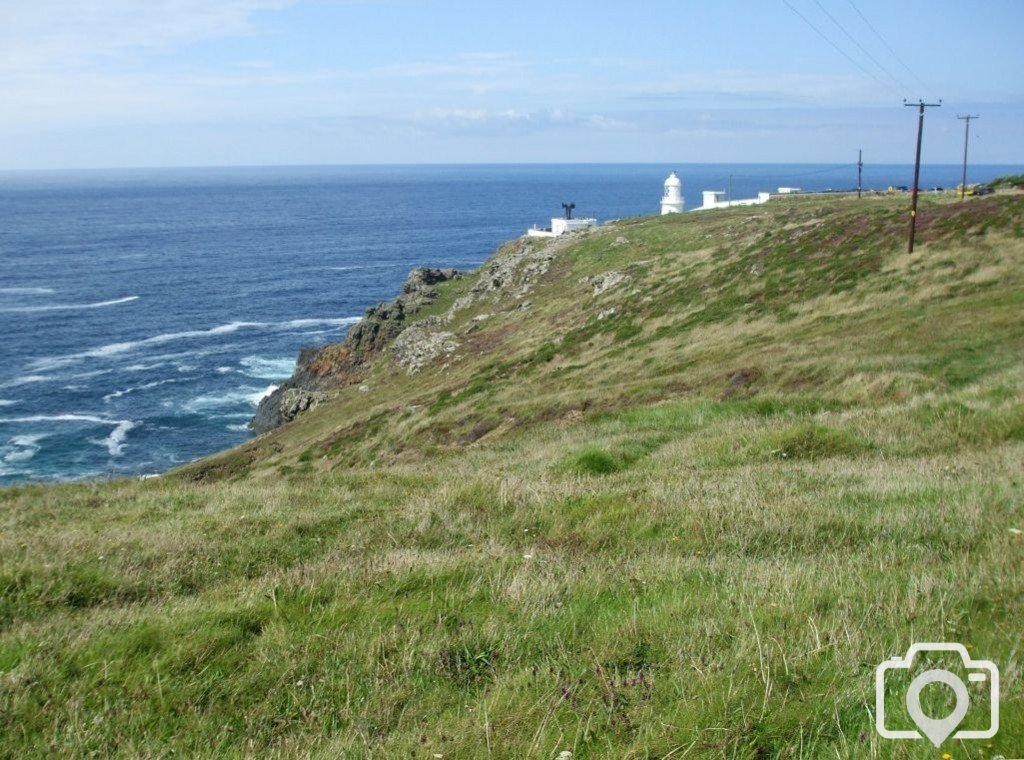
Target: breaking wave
[(113, 442), (117, 349), (66, 306), (267, 369), (241, 396), (21, 448), (156, 384)]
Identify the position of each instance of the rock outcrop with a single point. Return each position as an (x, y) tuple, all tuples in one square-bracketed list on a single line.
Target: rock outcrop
[(321, 369), (418, 346), (505, 279)]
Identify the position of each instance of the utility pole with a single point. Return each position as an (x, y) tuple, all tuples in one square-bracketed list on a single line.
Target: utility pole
[(920, 105), (860, 165), (967, 131)]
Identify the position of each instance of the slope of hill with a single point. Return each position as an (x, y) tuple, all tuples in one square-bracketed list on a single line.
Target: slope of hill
[(669, 489)]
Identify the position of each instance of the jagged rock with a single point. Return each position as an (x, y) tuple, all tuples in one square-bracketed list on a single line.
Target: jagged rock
[(322, 368), (285, 405), (602, 283), (417, 347), (517, 267)]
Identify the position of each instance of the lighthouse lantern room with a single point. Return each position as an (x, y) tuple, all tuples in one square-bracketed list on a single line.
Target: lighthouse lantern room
[(672, 200)]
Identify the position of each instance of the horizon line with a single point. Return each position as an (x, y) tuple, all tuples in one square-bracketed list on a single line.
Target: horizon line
[(439, 164)]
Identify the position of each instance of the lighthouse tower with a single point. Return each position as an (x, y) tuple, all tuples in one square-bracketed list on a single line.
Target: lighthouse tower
[(672, 201)]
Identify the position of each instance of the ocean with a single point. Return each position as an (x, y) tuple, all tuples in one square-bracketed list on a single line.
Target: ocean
[(145, 312)]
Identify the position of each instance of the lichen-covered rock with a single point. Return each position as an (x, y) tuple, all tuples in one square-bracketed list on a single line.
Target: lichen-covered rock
[(514, 270), (602, 283), (418, 347), (286, 404)]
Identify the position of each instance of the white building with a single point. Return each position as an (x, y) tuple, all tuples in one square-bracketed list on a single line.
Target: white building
[(561, 226), (716, 199), (672, 200)]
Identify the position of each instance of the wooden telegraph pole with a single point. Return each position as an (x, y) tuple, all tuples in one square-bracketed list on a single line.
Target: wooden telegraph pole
[(920, 105), (967, 131), (860, 165)]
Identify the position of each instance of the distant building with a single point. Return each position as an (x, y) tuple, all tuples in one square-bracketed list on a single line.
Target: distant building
[(789, 190), (563, 225), (672, 200), (717, 199)]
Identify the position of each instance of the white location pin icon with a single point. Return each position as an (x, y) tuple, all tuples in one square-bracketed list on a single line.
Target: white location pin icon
[(937, 730)]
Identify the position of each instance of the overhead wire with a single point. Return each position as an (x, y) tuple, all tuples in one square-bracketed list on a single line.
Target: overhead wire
[(846, 55), (889, 47), (860, 47)]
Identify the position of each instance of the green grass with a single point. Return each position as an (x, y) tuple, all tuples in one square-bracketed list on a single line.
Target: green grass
[(688, 529)]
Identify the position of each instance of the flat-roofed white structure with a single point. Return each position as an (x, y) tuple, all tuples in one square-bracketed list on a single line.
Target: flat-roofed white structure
[(716, 199), (561, 226)]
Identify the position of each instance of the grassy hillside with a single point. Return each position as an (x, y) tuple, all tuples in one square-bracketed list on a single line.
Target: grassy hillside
[(682, 484)]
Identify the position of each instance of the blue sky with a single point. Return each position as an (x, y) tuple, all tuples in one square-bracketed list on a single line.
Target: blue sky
[(111, 83)]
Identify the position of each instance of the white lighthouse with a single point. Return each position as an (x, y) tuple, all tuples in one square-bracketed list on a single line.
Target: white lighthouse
[(672, 200)]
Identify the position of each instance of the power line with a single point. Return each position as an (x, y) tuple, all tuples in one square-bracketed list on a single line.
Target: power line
[(861, 47), (889, 47), (845, 55)]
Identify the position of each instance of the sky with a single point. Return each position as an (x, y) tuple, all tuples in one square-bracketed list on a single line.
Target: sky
[(139, 83)]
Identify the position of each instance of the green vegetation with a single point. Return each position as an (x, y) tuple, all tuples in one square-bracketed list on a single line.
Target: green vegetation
[(685, 517), (1010, 180)]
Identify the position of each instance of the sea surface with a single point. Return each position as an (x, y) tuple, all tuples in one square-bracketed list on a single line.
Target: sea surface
[(144, 313)]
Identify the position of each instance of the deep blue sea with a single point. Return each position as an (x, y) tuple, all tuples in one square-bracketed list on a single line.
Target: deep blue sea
[(145, 312)]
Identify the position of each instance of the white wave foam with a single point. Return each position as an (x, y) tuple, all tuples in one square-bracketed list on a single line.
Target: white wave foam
[(155, 384), (242, 395), (115, 441), (295, 323), (367, 266), (27, 291), (69, 417), (256, 398), (67, 306), (84, 375), (7, 402), (116, 349), (21, 448), (267, 369), (244, 427), (27, 380)]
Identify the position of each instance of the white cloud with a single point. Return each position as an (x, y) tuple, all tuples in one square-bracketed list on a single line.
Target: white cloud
[(480, 121), (762, 87), (57, 35)]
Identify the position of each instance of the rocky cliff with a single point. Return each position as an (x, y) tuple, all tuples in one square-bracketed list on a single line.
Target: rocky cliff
[(321, 369)]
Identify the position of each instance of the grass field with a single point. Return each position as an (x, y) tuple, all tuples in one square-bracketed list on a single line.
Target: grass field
[(685, 517)]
